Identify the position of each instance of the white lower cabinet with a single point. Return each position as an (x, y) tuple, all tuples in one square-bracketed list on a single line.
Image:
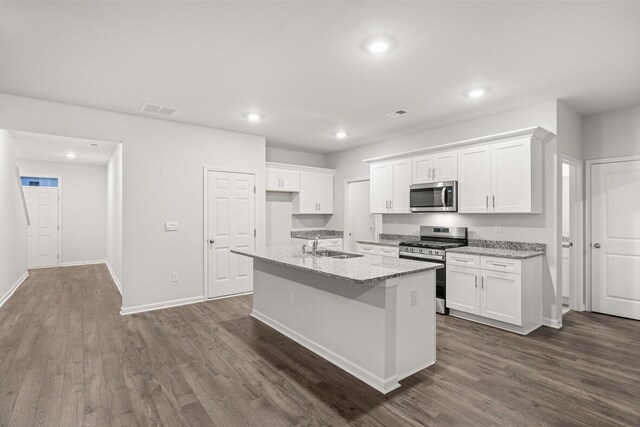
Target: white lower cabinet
[(390, 251), (500, 292)]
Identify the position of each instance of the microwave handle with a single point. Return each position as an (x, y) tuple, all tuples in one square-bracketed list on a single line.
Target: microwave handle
[(444, 197)]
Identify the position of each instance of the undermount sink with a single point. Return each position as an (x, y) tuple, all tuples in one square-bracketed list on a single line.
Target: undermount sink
[(326, 253)]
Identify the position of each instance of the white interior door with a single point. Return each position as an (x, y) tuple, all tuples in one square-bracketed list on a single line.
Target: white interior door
[(361, 225), (615, 237), (43, 233), (231, 225)]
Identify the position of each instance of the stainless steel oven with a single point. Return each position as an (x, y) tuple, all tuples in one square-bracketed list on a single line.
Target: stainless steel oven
[(434, 197)]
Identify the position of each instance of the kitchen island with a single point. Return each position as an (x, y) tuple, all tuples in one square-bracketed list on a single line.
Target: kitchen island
[(370, 315)]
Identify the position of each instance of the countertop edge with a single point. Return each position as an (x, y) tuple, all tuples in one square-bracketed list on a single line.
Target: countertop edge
[(347, 279), (481, 251), (387, 243)]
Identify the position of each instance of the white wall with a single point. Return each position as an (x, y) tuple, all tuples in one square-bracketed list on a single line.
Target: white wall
[(162, 180), (13, 223), (612, 134), (84, 201), (114, 214), (539, 228), (569, 132), (294, 157)]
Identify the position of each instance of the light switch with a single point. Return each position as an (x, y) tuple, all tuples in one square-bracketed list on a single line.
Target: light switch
[(171, 226)]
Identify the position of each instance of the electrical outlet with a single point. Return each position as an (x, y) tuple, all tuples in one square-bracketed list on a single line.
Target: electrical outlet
[(292, 299), (414, 297), (175, 277)]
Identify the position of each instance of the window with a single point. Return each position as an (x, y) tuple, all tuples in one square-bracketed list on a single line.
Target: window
[(30, 181)]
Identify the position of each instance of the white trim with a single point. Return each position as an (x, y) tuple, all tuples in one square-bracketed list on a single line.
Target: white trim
[(14, 288), (587, 222), (230, 296), (520, 330), (159, 305), (113, 276), (299, 167), (552, 323), (75, 263), (380, 384), (535, 132), (347, 228), (205, 217)]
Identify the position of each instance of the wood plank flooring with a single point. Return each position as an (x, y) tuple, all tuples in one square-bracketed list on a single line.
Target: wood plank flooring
[(68, 358)]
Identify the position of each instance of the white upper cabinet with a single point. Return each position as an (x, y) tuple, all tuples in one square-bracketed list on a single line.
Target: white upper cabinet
[(474, 179), (503, 177), (283, 180), (316, 193), (390, 186), (435, 167)]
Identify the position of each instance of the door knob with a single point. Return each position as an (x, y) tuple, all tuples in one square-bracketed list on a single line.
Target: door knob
[(596, 245), (211, 241)]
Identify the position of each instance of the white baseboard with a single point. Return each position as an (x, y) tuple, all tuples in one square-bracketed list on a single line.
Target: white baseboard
[(552, 323), (380, 384), (75, 263), (158, 305), (113, 276), (229, 296), (15, 286)]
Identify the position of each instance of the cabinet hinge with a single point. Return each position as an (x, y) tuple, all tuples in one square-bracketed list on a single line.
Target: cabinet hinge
[(254, 232), (254, 189)]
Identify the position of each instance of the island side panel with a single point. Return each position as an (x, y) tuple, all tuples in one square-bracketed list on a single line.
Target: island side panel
[(416, 322), (344, 322)]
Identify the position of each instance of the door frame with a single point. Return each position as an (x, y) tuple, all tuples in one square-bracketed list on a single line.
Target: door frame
[(205, 221), (377, 218), (577, 290), (59, 178), (588, 217)]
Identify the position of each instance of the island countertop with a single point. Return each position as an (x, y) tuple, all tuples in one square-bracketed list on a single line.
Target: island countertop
[(365, 269)]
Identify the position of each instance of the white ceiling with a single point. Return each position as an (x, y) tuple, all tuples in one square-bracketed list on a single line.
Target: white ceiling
[(301, 65), (48, 148)]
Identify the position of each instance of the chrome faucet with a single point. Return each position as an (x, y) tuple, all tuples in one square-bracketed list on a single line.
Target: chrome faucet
[(314, 246)]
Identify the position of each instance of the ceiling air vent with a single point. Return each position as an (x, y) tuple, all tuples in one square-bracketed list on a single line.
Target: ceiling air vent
[(397, 113), (94, 145), (158, 110)]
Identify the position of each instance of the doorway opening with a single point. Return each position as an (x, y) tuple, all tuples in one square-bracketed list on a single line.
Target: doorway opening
[(572, 281), (359, 224)]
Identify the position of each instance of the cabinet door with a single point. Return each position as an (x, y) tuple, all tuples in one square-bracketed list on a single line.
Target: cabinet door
[(463, 291), (366, 249), (421, 167), (324, 188), (401, 180), (445, 166), (381, 185), (307, 201), (273, 179), (511, 176), (390, 251), (289, 180), (501, 296), (474, 179)]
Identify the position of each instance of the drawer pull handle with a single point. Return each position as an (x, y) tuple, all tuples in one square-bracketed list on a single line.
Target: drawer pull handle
[(461, 259), (497, 265)]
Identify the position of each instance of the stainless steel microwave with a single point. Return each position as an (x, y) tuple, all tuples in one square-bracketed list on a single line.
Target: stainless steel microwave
[(434, 197)]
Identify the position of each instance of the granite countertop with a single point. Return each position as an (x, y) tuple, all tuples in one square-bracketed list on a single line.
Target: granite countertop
[(496, 252), (366, 269), (311, 234), (389, 239)]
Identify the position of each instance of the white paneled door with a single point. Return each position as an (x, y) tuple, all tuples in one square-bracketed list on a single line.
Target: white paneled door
[(231, 225), (615, 238), (43, 233)]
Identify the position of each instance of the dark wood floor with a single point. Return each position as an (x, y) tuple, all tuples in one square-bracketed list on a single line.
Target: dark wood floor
[(68, 358)]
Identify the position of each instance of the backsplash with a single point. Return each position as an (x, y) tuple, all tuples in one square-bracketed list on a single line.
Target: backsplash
[(311, 234), (501, 244), (400, 237)]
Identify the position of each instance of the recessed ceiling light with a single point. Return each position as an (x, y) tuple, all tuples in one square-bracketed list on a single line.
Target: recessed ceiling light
[(477, 92), (341, 134), (71, 155), (378, 44), (253, 117)]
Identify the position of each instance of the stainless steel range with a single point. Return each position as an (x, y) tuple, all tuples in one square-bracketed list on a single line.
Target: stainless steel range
[(433, 243)]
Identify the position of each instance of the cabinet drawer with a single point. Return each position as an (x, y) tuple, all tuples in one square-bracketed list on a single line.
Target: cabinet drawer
[(366, 249), (505, 265), (389, 251), (324, 243), (463, 260)]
